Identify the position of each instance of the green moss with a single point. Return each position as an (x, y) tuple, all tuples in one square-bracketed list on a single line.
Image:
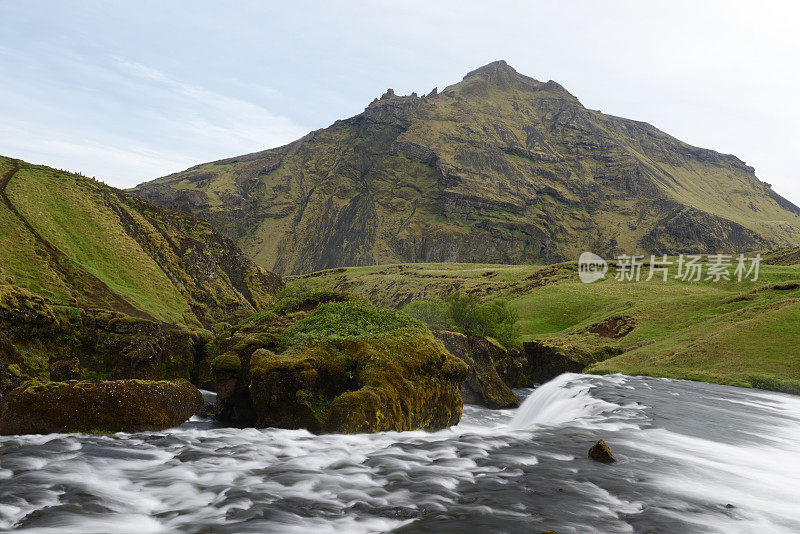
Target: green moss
[(15, 370), (96, 376), (226, 363)]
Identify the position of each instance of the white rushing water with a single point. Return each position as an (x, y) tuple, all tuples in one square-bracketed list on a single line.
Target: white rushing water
[(691, 457)]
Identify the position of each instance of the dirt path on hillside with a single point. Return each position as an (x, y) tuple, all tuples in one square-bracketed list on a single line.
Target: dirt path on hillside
[(67, 268)]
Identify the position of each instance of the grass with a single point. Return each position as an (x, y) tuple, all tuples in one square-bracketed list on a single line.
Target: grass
[(348, 321), (89, 245), (72, 214), (729, 332)]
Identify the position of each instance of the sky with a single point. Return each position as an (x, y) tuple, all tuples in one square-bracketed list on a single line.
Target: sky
[(130, 91)]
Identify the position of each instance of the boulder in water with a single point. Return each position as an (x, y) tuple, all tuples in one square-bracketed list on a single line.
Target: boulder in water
[(601, 453), (399, 382), (350, 367), (98, 407)]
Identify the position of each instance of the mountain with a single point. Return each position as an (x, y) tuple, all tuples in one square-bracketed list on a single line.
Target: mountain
[(496, 168), (75, 242)]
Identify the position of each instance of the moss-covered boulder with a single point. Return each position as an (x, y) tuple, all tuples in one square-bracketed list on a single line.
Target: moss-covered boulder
[(483, 385), (337, 364), (97, 407), (262, 331), (401, 381)]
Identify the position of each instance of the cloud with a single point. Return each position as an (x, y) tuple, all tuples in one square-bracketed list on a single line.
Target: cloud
[(126, 122), (208, 115)]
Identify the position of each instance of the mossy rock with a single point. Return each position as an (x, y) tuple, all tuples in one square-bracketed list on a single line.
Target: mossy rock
[(226, 363), (404, 380), (68, 369), (303, 360), (600, 452), (98, 407), (484, 385)]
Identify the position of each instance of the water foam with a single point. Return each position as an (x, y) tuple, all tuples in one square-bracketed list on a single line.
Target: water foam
[(567, 399)]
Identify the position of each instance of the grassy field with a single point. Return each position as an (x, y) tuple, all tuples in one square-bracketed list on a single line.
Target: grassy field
[(742, 333)]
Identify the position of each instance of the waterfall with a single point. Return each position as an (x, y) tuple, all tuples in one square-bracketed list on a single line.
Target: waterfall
[(562, 400)]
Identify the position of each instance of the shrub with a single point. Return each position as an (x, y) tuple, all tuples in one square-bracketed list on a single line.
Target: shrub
[(468, 315), (433, 312)]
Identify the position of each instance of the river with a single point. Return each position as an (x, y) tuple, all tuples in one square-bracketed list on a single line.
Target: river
[(692, 457)]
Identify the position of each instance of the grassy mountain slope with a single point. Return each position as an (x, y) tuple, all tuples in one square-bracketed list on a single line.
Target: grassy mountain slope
[(728, 332), (79, 243), (496, 168)]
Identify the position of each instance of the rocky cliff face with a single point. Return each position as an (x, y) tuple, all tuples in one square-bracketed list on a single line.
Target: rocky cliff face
[(498, 168)]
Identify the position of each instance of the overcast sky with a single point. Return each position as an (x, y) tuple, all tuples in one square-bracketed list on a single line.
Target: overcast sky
[(129, 91)]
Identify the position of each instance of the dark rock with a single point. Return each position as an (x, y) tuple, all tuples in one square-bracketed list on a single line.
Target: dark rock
[(614, 327), (483, 385), (98, 407), (64, 370), (601, 453), (545, 362), (232, 384)]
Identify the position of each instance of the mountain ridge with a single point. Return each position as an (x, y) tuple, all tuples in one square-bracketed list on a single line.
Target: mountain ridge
[(498, 167)]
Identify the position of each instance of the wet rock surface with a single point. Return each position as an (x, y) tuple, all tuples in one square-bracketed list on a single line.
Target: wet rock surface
[(97, 407), (600, 452)]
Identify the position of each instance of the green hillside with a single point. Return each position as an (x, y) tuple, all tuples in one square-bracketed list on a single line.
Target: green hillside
[(497, 168), (77, 242), (730, 332)]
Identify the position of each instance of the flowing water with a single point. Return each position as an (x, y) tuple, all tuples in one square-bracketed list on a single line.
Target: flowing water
[(692, 457)]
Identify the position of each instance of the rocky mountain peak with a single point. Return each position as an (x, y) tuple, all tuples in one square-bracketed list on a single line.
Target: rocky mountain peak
[(493, 71), (502, 75)]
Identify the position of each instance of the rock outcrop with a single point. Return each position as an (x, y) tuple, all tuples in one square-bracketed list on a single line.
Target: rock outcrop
[(42, 341), (543, 362), (328, 362), (402, 381), (483, 385), (97, 407)]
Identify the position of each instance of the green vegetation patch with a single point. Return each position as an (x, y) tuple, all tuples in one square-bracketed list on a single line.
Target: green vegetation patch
[(348, 321), (467, 314), (723, 332)]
